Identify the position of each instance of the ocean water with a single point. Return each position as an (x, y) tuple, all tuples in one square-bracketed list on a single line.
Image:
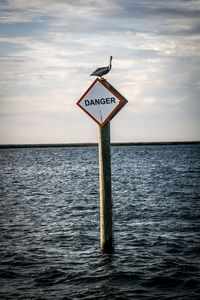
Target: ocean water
[(49, 224)]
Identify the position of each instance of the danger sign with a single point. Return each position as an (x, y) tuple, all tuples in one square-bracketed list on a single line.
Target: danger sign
[(101, 101)]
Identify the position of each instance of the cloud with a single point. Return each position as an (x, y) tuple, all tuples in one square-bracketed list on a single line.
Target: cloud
[(50, 102), (103, 15), (23, 11), (50, 47)]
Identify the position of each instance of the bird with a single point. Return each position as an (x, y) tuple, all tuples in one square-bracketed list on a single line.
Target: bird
[(103, 70)]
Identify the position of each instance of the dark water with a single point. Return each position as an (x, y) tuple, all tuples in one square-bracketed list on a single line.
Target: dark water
[(49, 224)]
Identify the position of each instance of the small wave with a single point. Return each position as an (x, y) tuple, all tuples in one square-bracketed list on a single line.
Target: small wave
[(51, 276), (162, 281), (8, 274)]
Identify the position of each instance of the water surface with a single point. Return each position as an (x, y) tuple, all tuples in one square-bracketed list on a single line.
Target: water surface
[(49, 224)]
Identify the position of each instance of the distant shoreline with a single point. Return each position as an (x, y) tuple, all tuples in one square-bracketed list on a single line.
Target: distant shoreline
[(4, 146)]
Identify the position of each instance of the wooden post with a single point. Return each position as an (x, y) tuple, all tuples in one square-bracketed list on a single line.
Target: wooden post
[(106, 218)]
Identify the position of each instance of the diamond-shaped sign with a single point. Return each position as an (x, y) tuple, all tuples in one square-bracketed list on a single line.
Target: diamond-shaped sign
[(101, 101)]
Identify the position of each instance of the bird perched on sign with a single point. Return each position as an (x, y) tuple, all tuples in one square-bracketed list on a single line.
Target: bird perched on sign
[(103, 70)]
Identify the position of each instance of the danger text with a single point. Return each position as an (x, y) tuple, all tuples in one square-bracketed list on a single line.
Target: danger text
[(100, 101)]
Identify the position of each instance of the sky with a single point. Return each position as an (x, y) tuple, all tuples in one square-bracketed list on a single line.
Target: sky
[(48, 49)]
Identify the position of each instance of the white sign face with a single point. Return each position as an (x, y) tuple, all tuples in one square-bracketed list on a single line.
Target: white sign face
[(99, 102)]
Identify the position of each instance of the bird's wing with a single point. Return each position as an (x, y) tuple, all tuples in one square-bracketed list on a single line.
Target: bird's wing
[(100, 70)]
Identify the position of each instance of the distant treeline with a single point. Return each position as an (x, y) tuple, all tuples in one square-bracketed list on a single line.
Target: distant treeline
[(3, 146)]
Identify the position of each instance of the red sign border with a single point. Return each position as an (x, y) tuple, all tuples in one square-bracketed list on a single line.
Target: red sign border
[(111, 91)]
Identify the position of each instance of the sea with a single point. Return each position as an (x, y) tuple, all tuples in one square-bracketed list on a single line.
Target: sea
[(49, 224)]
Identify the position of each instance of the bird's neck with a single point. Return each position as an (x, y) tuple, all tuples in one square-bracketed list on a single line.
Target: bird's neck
[(110, 64)]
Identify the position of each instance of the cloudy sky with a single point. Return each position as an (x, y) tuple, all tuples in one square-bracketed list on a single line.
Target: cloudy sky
[(48, 48)]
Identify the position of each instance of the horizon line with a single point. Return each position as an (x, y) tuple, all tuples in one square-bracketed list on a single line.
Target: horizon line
[(88, 144)]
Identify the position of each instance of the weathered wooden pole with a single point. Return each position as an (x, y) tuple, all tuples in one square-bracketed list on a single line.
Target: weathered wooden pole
[(106, 216)]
